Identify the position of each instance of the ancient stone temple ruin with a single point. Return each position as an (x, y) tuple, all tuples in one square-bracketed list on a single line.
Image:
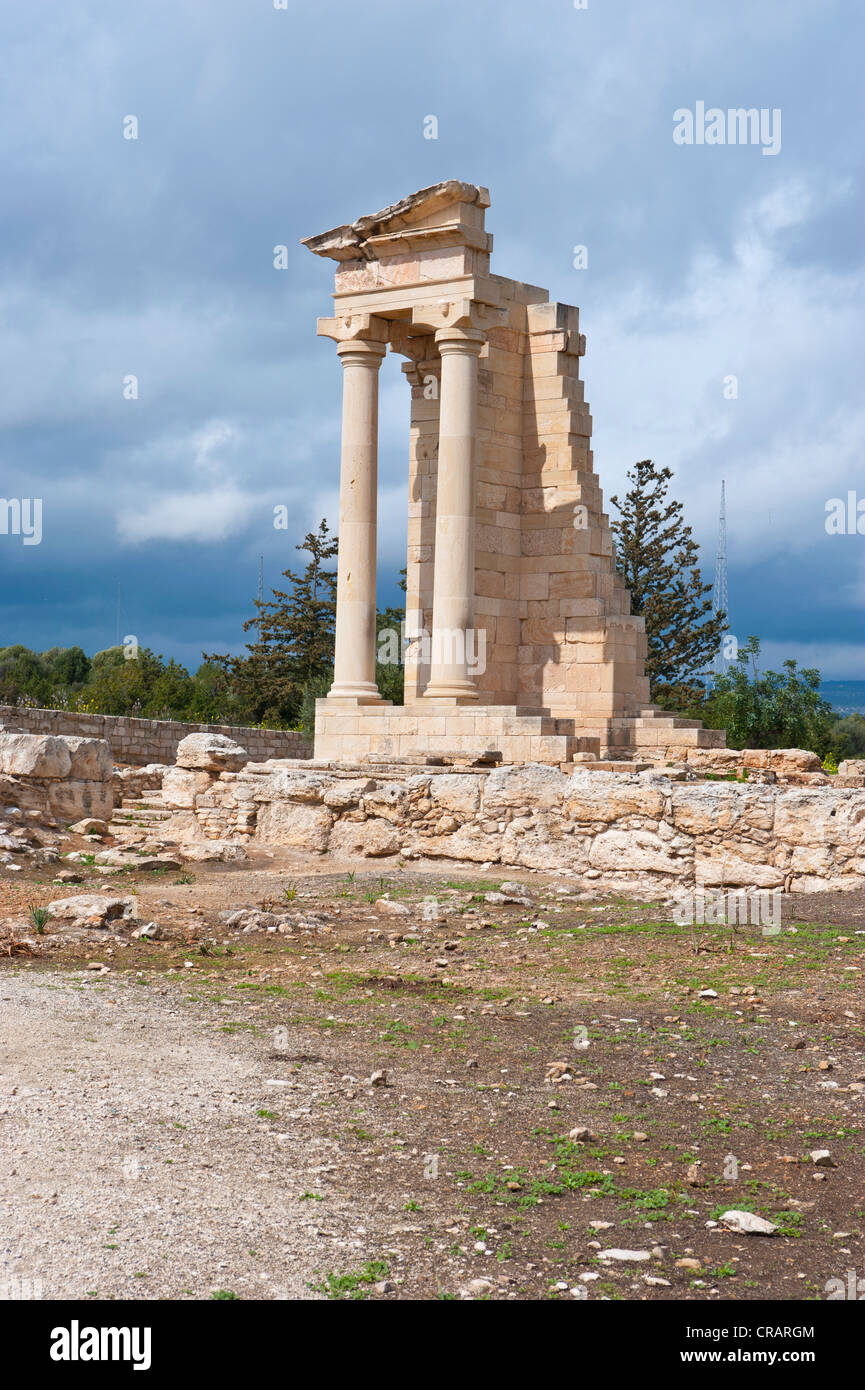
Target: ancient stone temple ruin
[(522, 643)]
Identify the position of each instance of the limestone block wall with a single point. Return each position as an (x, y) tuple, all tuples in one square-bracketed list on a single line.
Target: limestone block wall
[(64, 779), (142, 741), (559, 632), (638, 833), (581, 650)]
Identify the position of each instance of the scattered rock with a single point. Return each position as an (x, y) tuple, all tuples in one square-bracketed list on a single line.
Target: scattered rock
[(557, 1072), (747, 1224), (151, 931), (476, 1288), (89, 826), (822, 1158), (94, 909), (385, 908)]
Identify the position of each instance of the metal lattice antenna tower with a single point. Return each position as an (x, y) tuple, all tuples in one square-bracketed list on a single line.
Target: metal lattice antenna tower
[(261, 578), (720, 602)]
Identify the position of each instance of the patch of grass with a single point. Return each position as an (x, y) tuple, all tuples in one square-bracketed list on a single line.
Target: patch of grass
[(528, 1191), (789, 1223), (353, 1286), (396, 1034)]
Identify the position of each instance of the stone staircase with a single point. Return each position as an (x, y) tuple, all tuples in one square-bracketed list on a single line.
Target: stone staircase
[(137, 819), (626, 741)]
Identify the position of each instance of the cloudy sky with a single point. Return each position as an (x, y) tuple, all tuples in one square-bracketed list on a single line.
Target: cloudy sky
[(259, 125)]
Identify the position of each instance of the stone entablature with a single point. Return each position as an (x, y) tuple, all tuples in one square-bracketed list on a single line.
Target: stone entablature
[(509, 547)]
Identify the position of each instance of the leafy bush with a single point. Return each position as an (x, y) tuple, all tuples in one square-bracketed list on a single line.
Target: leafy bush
[(769, 709)]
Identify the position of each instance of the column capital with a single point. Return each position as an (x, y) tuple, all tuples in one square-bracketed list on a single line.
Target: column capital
[(466, 340), (359, 352), (350, 328)]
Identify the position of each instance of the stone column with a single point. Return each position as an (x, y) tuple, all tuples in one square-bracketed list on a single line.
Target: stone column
[(454, 572), (354, 660)]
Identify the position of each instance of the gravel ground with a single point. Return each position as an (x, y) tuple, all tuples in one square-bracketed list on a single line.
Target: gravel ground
[(135, 1162)]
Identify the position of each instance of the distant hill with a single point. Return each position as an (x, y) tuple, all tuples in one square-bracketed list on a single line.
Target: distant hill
[(847, 697)]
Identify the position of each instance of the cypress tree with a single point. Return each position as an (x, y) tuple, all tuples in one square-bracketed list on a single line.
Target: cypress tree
[(658, 560)]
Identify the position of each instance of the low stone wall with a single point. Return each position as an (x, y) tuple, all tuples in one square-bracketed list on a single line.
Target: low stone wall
[(627, 832), (62, 779), (141, 741)]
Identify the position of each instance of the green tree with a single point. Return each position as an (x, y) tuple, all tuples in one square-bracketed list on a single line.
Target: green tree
[(293, 648), (847, 737), (769, 709), (144, 685), (24, 676), (69, 665), (658, 560), (390, 673)]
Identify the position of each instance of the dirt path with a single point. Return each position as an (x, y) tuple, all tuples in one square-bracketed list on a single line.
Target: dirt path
[(135, 1163)]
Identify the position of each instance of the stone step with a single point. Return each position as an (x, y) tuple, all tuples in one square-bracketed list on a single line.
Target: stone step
[(669, 721), (608, 765)]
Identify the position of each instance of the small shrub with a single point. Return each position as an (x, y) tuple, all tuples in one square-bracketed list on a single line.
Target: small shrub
[(39, 917)]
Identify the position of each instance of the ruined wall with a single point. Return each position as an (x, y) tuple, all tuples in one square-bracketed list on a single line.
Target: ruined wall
[(62, 779), (141, 741), (639, 833), (555, 613)]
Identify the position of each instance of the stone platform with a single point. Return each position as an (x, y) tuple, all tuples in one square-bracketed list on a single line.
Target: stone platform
[(348, 732)]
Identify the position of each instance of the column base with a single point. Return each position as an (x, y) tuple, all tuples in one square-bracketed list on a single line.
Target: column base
[(359, 692), (464, 692)]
